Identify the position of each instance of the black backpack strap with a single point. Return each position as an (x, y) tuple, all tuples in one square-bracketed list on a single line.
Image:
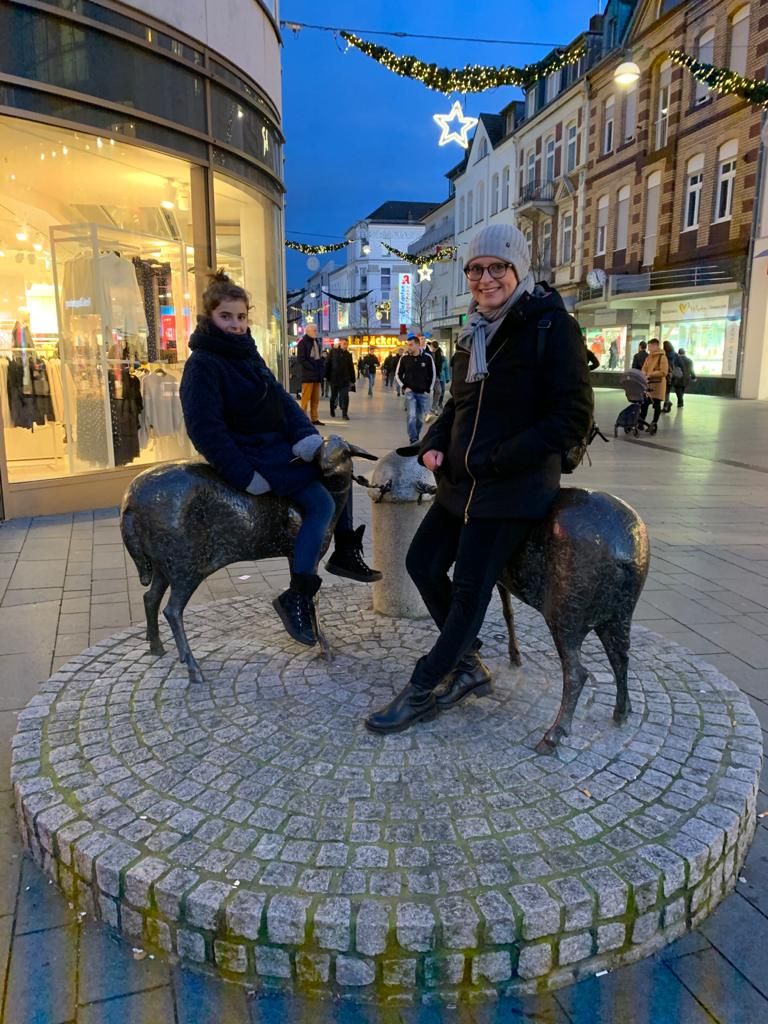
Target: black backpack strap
[(541, 342)]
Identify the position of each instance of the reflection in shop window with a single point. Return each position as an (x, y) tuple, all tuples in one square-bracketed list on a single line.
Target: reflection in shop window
[(609, 344), (96, 242)]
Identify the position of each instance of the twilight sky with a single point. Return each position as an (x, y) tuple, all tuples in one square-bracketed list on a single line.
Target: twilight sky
[(357, 134)]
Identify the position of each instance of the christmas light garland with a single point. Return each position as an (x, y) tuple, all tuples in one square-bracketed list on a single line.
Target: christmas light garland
[(723, 80), (316, 250), (472, 77), (442, 253), (347, 298)]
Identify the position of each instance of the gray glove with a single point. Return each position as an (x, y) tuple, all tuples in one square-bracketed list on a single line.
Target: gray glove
[(258, 485), (307, 447)]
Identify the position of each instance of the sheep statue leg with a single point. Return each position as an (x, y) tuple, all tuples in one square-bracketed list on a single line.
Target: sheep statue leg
[(174, 613), (615, 639), (509, 617), (152, 598), (568, 641)]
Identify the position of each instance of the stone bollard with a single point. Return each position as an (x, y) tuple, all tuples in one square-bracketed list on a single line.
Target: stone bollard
[(400, 489)]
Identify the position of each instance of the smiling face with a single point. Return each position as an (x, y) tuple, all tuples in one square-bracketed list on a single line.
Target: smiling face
[(489, 292), (231, 316)]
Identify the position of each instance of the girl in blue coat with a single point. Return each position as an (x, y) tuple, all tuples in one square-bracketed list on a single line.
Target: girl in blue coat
[(256, 437)]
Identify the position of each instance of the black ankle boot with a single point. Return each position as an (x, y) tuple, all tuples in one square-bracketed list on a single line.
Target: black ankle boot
[(411, 705), (347, 558), (469, 676), (296, 607)]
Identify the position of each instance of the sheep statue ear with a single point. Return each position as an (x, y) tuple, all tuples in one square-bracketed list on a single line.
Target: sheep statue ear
[(360, 453)]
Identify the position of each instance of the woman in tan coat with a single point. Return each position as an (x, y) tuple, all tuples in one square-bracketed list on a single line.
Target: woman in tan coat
[(656, 369)]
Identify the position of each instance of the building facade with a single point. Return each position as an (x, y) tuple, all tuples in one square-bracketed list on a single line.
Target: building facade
[(142, 147), (671, 187), (434, 294)]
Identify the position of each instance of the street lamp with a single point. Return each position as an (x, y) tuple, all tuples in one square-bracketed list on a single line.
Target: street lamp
[(626, 74)]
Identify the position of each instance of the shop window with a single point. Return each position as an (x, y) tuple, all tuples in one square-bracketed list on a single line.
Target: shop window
[(662, 104), (549, 159), (693, 188), (739, 48), (97, 300), (566, 238), (601, 226), (571, 147), (708, 330), (630, 113), (505, 188), (494, 194), (622, 217), (726, 180), (652, 204), (705, 52), (609, 345), (608, 121)]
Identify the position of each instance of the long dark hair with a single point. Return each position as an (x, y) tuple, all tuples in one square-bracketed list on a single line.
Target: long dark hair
[(221, 288)]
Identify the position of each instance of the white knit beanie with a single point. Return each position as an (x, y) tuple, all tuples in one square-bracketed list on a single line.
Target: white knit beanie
[(506, 242)]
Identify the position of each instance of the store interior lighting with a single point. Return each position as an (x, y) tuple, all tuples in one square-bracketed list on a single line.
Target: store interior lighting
[(168, 201)]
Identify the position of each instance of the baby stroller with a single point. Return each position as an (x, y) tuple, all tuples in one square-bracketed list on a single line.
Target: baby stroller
[(635, 385)]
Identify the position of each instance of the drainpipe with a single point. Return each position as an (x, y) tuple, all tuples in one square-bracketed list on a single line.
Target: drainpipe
[(581, 201)]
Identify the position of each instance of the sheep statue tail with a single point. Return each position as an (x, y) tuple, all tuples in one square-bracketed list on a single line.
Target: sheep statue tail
[(135, 549)]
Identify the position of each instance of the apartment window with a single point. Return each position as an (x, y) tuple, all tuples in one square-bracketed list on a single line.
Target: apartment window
[(505, 188), (608, 119), (528, 234), (693, 188), (566, 238), (726, 178), (531, 167), (739, 41), (530, 102), (662, 107), (483, 149), (386, 281), (571, 136), (705, 52), (553, 85), (470, 215), (652, 203), (622, 217), (480, 214), (549, 159), (494, 194), (601, 228), (630, 113), (461, 281), (546, 245), (461, 213)]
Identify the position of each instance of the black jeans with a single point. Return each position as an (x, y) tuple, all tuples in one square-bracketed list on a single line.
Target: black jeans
[(340, 397), (656, 409), (478, 552), (680, 392)]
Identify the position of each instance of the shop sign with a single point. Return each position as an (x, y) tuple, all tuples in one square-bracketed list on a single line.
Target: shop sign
[(704, 307), (405, 298)]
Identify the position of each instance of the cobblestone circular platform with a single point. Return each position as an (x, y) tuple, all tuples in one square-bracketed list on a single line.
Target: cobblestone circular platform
[(253, 824)]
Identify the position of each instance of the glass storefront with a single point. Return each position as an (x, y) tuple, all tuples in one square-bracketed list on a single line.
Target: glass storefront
[(708, 329), (609, 345), (98, 252)]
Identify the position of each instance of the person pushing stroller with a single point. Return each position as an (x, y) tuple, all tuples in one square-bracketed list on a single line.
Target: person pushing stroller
[(635, 384)]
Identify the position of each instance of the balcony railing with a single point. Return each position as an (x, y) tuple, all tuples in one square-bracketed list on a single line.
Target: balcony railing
[(538, 192), (723, 272)]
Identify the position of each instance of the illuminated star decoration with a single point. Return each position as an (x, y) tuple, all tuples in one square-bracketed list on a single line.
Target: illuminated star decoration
[(449, 135), (425, 273)]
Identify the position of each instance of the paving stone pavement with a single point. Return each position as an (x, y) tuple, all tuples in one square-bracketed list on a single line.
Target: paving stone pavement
[(703, 489)]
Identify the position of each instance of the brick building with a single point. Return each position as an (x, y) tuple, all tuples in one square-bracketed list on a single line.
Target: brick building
[(671, 184)]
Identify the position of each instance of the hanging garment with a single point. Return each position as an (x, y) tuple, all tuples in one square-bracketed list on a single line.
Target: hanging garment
[(125, 412), (154, 280), (162, 411), (5, 408), (53, 367), (105, 285)]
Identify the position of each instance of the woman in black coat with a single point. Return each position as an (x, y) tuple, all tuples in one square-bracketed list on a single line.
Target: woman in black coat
[(496, 453)]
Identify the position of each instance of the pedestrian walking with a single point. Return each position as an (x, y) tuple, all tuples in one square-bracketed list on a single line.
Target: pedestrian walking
[(370, 364), (341, 378), (674, 373), (388, 368), (688, 376), (324, 385), (294, 375), (640, 356), (416, 376), (497, 454), (312, 366), (400, 353), (656, 369), (249, 429), (438, 391), (613, 356)]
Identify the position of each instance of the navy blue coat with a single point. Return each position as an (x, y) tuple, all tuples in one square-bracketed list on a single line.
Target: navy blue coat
[(238, 416), (312, 370)]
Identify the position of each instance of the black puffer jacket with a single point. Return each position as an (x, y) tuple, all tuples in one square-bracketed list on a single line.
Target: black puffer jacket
[(503, 437)]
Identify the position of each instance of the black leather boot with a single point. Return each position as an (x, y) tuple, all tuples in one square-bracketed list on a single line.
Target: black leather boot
[(296, 607), (469, 676), (347, 558), (411, 705)]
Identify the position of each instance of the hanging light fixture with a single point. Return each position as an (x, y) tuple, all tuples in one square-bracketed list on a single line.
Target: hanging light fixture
[(22, 234), (626, 74), (168, 202)]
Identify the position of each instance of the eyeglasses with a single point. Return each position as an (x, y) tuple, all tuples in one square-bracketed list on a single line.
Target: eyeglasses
[(496, 270)]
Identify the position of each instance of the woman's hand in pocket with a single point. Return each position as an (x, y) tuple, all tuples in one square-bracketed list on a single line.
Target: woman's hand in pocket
[(432, 459)]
